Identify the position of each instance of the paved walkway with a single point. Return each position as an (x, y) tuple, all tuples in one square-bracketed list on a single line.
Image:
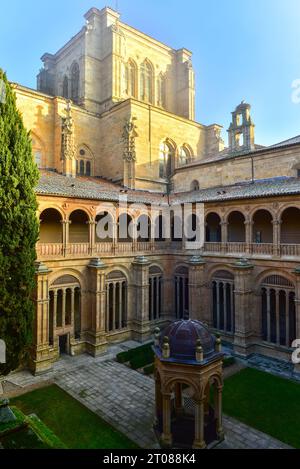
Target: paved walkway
[(124, 398)]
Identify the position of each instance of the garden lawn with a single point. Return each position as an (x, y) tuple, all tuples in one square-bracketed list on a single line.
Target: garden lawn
[(74, 424), (265, 402)]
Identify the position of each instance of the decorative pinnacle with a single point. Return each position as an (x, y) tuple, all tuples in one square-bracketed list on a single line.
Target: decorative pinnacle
[(199, 351), (218, 347), (166, 348), (156, 336)]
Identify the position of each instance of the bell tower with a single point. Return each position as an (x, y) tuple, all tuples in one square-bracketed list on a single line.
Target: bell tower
[(241, 130)]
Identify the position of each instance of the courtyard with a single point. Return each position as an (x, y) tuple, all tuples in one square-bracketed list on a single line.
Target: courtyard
[(114, 404)]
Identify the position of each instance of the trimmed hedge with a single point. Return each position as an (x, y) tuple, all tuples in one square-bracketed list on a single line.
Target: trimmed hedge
[(125, 357), (229, 361), (142, 358)]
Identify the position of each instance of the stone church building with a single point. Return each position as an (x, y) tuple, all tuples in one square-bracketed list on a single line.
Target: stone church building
[(114, 135)]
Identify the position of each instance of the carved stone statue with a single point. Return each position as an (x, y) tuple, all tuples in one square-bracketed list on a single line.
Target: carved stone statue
[(68, 154)]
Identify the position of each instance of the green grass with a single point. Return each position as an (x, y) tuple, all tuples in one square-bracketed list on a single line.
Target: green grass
[(265, 402), (75, 425)]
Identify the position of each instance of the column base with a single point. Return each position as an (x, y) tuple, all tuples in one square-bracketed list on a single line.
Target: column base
[(297, 369), (141, 331), (243, 346), (96, 344), (166, 441), (199, 445), (41, 360)]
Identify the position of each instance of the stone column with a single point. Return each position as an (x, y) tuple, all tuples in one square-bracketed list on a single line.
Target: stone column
[(248, 235), (92, 236), (224, 236), (41, 359), (199, 442), (166, 435), (97, 343), (66, 231), (158, 402), (243, 307), (276, 237), (198, 289), (141, 324), (218, 412)]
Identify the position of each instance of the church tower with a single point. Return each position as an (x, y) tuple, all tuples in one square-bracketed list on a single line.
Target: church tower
[(241, 130)]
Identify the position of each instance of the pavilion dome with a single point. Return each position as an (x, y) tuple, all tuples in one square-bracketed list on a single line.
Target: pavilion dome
[(183, 337)]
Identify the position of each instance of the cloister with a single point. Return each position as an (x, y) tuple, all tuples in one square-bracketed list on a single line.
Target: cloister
[(263, 231)]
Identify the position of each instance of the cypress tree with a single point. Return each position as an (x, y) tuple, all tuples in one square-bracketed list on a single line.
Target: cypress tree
[(18, 230)]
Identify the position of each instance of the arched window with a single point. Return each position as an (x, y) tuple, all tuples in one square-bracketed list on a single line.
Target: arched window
[(84, 163), (182, 293), (236, 228), (195, 186), (116, 302), (144, 228), (155, 293), (161, 90), (278, 311), (223, 301), (75, 82), (125, 228), (131, 79), (146, 82), (64, 310), (79, 228), (184, 156), (66, 87), (166, 155), (51, 227), (213, 228), (37, 150)]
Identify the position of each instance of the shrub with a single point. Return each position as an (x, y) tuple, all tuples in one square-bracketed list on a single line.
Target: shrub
[(229, 361)]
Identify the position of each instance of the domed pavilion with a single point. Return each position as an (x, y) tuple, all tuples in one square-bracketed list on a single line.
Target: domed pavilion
[(188, 365)]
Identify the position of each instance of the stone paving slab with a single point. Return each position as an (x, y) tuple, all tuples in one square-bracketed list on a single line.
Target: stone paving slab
[(241, 436), (125, 398)]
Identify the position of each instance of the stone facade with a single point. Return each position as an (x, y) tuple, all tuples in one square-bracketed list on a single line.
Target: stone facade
[(125, 128)]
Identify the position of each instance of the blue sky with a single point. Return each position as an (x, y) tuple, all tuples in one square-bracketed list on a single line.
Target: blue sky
[(241, 50)]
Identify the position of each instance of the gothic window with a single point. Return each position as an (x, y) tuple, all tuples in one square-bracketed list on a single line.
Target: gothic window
[(195, 186), (278, 311), (84, 163), (223, 302), (131, 79), (65, 307), (146, 82), (161, 91), (166, 155), (182, 293), (155, 293), (37, 150), (88, 168), (116, 302), (75, 82), (184, 156), (82, 170), (66, 87)]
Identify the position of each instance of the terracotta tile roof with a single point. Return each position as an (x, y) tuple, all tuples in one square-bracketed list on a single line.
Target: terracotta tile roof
[(261, 188), (285, 143), (55, 184), (52, 183)]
